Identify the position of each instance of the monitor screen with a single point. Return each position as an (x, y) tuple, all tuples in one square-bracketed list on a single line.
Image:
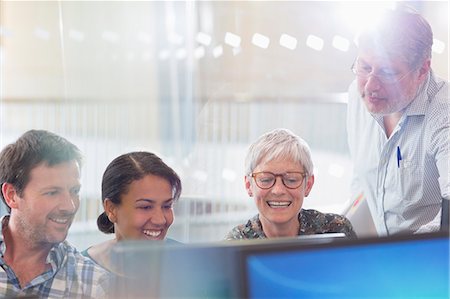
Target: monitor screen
[(391, 267), (159, 270)]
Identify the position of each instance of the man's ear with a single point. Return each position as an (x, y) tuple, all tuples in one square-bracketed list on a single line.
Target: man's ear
[(309, 185), (248, 186), (110, 210), (10, 195), (424, 70)]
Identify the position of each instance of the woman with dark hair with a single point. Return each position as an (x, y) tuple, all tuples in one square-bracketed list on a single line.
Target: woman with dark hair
[(138, 193)]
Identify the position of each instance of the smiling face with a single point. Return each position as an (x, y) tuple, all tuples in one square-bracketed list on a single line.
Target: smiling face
[(145, 211), (45, 210), (279, 206), (383, 98)]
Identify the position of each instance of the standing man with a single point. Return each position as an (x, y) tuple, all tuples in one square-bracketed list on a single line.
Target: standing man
[(40, 184), (398, 125)]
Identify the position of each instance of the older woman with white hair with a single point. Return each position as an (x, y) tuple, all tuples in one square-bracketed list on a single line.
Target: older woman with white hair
[(279, 175)]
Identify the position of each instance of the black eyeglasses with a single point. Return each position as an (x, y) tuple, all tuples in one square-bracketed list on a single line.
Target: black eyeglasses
[(266, 180)]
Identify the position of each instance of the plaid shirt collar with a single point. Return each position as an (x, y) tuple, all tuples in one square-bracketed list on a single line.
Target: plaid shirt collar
[(56, 257), (71, 275)]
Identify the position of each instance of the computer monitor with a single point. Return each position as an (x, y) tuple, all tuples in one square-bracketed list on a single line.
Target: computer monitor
[(158, 270), (413, 266)]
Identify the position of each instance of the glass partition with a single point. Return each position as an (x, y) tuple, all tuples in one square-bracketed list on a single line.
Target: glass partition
[(194, 82)]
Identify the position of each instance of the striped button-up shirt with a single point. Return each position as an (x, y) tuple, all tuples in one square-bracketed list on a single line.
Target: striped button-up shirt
[(403, 177), (71, 275)]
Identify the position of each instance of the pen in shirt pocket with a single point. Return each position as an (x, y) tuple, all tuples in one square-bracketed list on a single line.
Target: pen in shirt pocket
[(399, 156)]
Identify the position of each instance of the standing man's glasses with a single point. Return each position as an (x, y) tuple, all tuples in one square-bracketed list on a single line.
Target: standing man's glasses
[(384, 75), (266, 180)]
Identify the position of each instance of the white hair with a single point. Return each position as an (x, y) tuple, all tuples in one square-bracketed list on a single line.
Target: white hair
[(279, 143)]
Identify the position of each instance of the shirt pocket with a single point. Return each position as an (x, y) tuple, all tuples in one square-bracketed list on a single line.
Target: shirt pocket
[(410, 181)]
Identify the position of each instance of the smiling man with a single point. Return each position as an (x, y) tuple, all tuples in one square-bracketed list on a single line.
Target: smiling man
[(398, 125), (279, 175), (40, 185)]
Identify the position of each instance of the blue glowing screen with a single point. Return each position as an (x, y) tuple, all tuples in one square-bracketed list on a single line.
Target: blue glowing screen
[(407, 269)]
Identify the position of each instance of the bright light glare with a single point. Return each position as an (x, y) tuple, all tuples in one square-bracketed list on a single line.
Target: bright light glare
[(314, 42), (232, 39), (438, 46), (341, 43), (203, 38), (218, 51), (356, 15), (236, 51), (288, 41), (260, 40)]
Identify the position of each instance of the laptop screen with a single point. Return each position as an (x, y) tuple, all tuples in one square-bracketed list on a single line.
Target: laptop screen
[(391, 267)]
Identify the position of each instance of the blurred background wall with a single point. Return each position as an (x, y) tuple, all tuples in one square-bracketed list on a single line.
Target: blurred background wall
[(194, 82)]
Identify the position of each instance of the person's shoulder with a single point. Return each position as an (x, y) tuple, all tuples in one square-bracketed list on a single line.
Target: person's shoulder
[(438, 110), (85, 253), (441, 83), (170, 241), (438, 91), (244, 231), (311, 213), (92, 280), (236, 233), (328, 222), (326, 217), (82, 262)]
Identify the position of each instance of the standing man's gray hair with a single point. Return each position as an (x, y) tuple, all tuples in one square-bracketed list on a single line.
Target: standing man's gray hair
[(403, 31)]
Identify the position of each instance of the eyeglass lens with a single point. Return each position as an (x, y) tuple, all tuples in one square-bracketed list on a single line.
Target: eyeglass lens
[(266, 180), (385, 75)]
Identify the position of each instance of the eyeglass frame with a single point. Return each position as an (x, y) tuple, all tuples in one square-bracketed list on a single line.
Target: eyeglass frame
[(303, 174), (381, 78)]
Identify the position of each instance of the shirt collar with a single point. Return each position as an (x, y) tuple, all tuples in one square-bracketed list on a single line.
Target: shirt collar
[(420, 103), (426, 92), (4, 222), (56, 255)]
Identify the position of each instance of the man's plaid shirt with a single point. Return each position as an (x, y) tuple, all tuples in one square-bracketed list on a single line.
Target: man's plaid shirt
[(71, 275)]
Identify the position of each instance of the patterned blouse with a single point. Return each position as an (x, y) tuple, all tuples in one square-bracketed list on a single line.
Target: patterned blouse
[(311, 222)]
